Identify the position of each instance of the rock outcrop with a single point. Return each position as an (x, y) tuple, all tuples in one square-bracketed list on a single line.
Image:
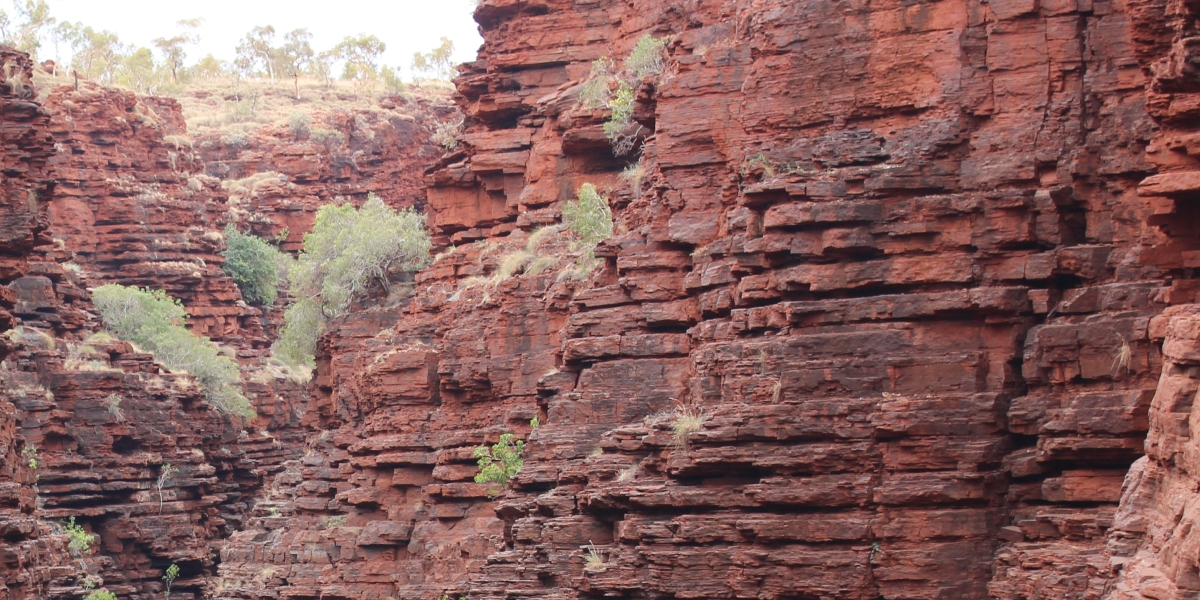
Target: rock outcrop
[(103, 186), (891, 269), (278, 177), (1152, 546), (900, 304)]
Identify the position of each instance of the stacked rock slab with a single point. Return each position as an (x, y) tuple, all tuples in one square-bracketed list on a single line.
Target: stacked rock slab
[(25, 182), (132, 208), (345, 155), (92, 429), (893, 256), (1152, 544), (86, 430)]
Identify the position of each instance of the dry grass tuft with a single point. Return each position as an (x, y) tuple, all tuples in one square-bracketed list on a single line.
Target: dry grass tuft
[(594, 559), (1124, 358)]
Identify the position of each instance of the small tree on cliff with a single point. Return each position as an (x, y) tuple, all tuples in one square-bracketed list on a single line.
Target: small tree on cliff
[(590, 217), (348, 251), (173, 48), (253, 264), (295, 55), (257, 50)]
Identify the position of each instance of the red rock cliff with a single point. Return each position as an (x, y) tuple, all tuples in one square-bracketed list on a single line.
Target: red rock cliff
[(907, 259), (25, 182), (921, 273), (91, 429)]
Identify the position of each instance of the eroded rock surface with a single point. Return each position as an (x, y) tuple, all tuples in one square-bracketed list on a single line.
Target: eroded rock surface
[(896, 255), (25, 180), (922, 275), (103, 186)]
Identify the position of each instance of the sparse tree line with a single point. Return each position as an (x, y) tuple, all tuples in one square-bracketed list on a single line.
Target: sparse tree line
[(263, 53)]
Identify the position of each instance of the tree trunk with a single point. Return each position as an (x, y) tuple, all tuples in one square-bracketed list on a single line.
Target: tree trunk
[(296, 78)]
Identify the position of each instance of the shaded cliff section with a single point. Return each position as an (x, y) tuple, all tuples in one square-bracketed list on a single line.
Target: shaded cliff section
[(90, 424), (25, 182), (1153, 545), (106, 187), (910, 261)]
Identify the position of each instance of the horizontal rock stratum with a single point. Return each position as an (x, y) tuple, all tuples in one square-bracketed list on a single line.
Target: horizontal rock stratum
[(922, 275)]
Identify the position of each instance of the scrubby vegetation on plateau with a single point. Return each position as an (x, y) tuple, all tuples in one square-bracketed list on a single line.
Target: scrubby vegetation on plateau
[(100, 55), (273, 75), (155, 322), (347, 251)]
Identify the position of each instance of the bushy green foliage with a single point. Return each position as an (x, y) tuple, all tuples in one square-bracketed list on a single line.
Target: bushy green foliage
[(100, 595), (169, 577), (590, 217), (647, 56), (300, 123), (619, 124), (253, 264), (155, 322), (647, 59), (392, 83), (500, 463), (347, 251), (81, 541)]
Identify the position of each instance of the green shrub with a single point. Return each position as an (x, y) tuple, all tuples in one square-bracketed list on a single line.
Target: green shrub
[(647, 56), (590, 217), (330, 138), (347, 251), (500, 463), (392, 81), (620, 128), (100, 595), (169, 577), (253, 264), (299, 123), (647, 59), (81, 541), (155, 322)]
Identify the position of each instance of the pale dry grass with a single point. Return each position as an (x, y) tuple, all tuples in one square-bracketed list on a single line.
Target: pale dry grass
[(229, 105)]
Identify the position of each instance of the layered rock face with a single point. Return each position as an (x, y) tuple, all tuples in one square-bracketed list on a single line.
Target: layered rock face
[(1152, 543), (25, 182), (279, 177), (89, 429), (111, 189), (887, 267), (897, 293)]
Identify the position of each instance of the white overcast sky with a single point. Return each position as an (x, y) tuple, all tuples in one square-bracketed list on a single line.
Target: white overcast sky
[(406, 26)]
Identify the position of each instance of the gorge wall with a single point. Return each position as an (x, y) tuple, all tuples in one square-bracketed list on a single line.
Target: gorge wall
[(104, 186), (923, 275), (912, 265)]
